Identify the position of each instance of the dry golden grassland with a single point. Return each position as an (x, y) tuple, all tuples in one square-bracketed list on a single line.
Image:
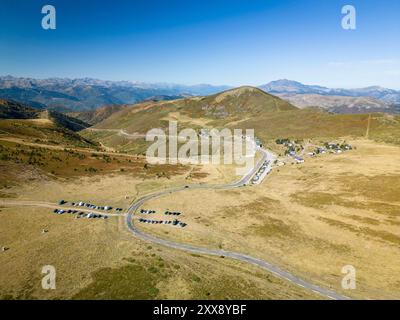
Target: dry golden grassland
[(100, 259), (310, 219)]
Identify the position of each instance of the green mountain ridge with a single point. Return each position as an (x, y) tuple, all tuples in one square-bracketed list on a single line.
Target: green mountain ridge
[(241, 108), (45, 126)]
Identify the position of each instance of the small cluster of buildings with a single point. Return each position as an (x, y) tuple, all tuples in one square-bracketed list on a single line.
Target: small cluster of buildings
[(293, 148), (298, 159), (338, 148), (332, 148)]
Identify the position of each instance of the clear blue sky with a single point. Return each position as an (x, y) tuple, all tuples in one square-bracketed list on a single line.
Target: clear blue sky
[(202, 41)]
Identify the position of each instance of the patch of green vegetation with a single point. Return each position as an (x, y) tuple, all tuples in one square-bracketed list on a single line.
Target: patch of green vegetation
[(133, 282), (71, 163), (320, 199), (365, 231), (48, 133), (95, 135), (354, 185), (366, 220), (7, 195), (254, 208), (382, 235), (153, 269), (272, 227), (380, 187)]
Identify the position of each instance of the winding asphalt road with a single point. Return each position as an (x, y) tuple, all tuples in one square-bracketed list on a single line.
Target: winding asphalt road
[(266, 155)]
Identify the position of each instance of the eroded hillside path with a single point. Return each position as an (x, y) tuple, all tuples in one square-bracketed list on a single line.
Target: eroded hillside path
[(63, 147)]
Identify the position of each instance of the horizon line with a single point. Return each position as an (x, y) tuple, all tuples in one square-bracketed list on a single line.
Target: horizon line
[(228, 86)]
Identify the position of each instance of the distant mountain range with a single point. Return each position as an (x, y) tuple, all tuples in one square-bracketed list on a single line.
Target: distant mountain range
[(370, 99), (293, 87), (340, 104), (74, 95)]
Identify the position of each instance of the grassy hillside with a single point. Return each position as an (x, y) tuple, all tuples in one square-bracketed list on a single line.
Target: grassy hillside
[(65, 121), (309, 124), (245, 108), (13, 110), (41, 126), (41, 131), (232, 105), (95, 116)]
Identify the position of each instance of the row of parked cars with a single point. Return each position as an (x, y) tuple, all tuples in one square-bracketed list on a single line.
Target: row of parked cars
[(80, 214), (168, 213), (174, 222), (89, 206), (260, 172), (144, 211)]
